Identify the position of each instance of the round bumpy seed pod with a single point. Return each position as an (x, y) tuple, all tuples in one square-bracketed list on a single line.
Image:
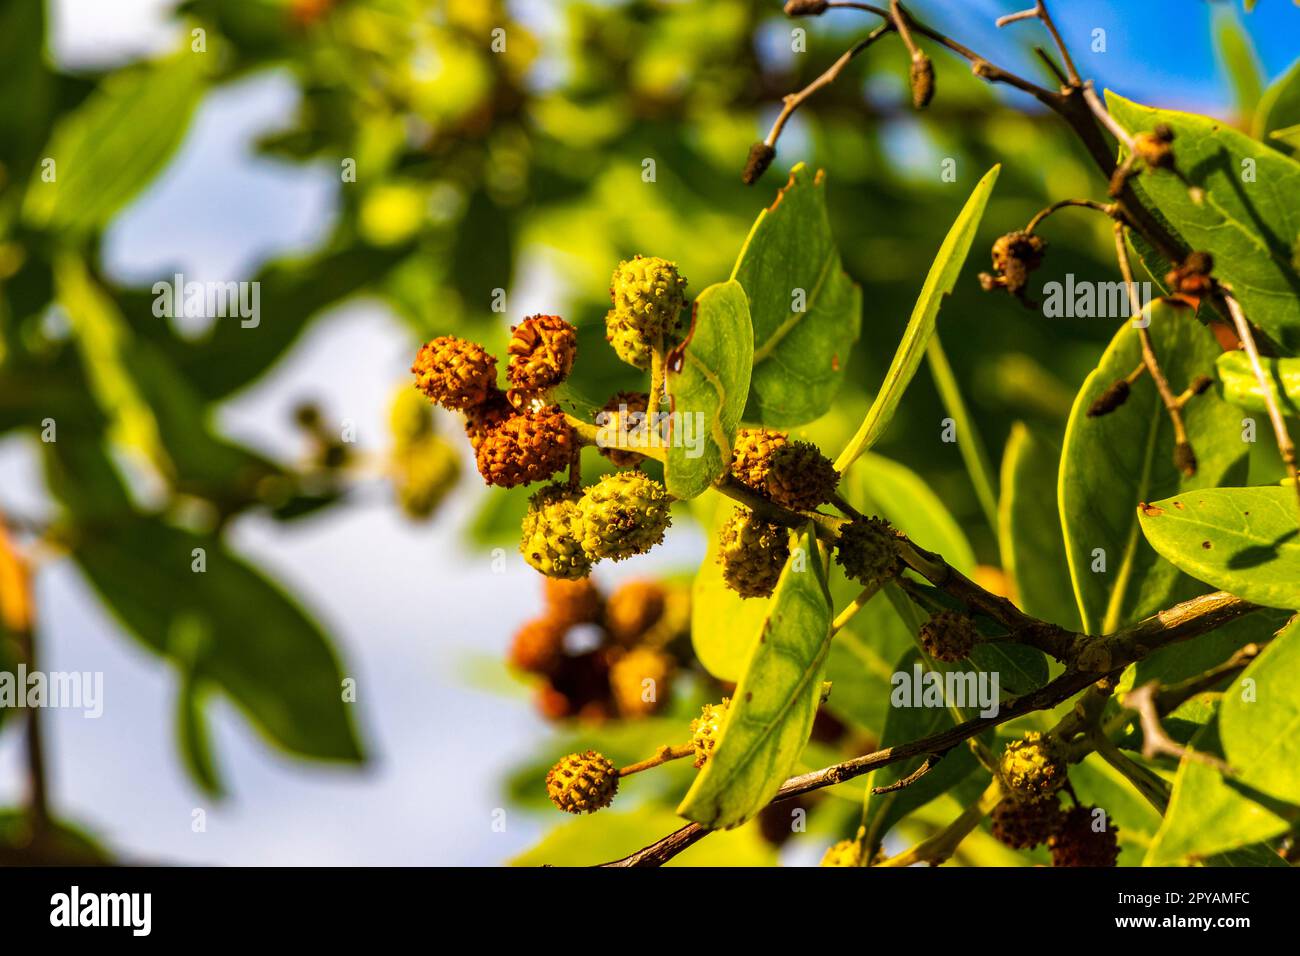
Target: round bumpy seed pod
[(525, 448), (751, 455), (623, 514), (866, 550), (948, 636), (706, 728), (752, 553), (572, 601), (483, 418), (1022, 824), (542, 349), (1084, 838), (640, 681), (800, 476), (649, 289), (424, 471), (633, 609), (1032, 767), (582, 783), (624, 428), (453, 372), (538, 645), (844, 853), (550, 540)]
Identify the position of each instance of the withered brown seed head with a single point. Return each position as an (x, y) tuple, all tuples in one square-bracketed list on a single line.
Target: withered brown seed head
[(542, 350), (453, 372), (538, 645), (948, 636), (525, 448), (634, 608), (1076, 842), (621, 417), (572, 601)]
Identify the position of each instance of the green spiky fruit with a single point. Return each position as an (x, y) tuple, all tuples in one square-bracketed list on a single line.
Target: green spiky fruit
[(1023, 824), (867, 551), (582, 783), (706, 728), (752, 553), (648, 294), (843, 853), (751, 455), (551, 542), (623, 514), (1033, 766), (1084, 839), (948, 636), (800, 476), (453, 372)]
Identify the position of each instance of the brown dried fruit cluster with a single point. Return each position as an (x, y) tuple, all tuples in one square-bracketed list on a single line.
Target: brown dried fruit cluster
[(634, 629), (526, 447), (624, 417), (454, 373), (1195, 277), (1084, 838), (1024, 824), (1015, 255), (948, 636)]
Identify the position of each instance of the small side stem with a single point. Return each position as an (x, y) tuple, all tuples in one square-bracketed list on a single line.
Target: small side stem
[(663, 755)]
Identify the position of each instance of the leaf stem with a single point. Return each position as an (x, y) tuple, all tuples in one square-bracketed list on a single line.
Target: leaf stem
[(665, 754)]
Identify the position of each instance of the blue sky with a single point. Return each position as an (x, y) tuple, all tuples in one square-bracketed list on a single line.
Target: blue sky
[(370, 576)]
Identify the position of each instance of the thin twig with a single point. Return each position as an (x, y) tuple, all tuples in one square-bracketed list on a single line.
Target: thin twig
[(1109, 209), (1184, 454), (1154, 739), (930, 762), (662, 756), (1284, 444)]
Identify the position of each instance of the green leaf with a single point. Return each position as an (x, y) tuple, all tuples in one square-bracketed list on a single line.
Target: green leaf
[(724, 625), (1279, 107), (1248, 222), (1259, 723), (774, 703), (903, 725), (1207, 814), (807, 312), (1238, 385), (64, 845), (1111, 464), (939, 282), (611, 835), (1029, 528), (1237, 56), (113, 145), (1243, 540), (707, 381), (27, 86), (884, 487)]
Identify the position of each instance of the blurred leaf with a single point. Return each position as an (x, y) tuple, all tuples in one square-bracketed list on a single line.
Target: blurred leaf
[(1237, 55), (806, 311), (63, 845), (1279, 107), (939, 282), (1029, 528), (26, 87), (611, 835), (1111, 464), (774, 703), (114, 144), (257, 644), (1238, 385), (1248, 219), (708, 379), (1243, 540)]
